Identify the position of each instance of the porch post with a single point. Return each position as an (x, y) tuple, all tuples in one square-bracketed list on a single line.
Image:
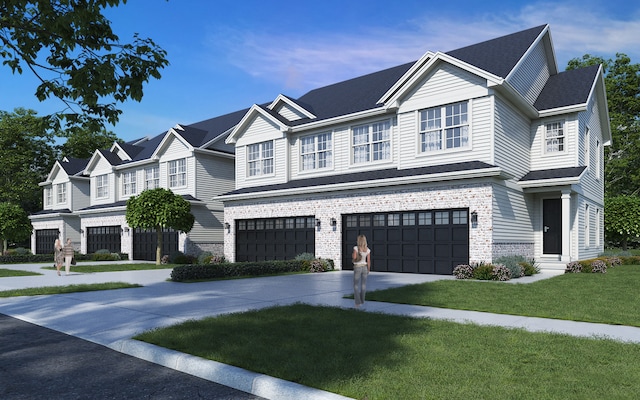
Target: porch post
[(566, 226)]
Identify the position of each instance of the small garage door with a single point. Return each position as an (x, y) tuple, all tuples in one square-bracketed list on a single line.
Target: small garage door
[(145, 243), (274, 238), (103, 237), (45, 239), (424, 242)]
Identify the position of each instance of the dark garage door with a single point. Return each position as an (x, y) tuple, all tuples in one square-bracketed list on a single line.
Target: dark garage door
[(45, 239), (103, 237), (145, 243), (274, 238), (425, 242)]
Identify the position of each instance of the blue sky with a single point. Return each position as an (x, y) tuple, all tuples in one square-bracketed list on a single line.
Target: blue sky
[(227, 55)]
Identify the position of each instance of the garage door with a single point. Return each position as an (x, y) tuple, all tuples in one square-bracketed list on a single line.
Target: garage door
[(45, 238), (103, 237), (424, 242), (274, 238), (145, 243)]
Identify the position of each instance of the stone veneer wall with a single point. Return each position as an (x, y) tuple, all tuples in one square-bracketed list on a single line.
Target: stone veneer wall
[(526, 250), (477, 197)]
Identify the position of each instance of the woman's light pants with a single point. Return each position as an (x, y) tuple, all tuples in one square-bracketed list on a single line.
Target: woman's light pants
[(360, 274)]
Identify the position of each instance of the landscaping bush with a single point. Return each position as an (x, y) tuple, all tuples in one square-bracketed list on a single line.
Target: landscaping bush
[(195, 272), (500, 273), (513, 263), (179, 257), (305, 257), (105, 255), (463, 271), (573, 267), (483, 272), (320, 265), (599, 266), (204, 257)]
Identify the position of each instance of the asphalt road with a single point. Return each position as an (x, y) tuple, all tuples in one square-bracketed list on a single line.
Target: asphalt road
[(40, 363)]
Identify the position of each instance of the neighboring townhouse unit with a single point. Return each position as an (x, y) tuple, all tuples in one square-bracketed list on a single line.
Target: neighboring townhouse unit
[(192, 160), (459, 157)]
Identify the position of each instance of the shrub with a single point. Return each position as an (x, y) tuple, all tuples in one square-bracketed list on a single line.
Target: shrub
[(599, 266), (483, 272), (305, 257), (463, 271), (613, 261), (217, 260), (500, 273), (573, 267), (529, 268), (105, 255), (179, 257), (204, 257), (513, 263), (320, 265), (196, 272)]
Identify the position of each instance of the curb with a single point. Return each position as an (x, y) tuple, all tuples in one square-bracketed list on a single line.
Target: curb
[(228, 375)]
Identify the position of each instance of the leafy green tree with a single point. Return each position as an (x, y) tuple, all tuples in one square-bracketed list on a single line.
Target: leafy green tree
[(14, 224), (81, 142), (70, 47), (157, 209), (26, 158), (622, 219), (622, 158)]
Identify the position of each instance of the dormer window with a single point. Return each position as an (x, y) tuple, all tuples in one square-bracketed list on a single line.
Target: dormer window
[(554, 137), (260, 159), (48, 196), (102, 186), (61, 191)]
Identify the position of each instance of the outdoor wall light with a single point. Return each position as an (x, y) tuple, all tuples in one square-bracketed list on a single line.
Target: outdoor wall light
[(227, 227), (474, 217), (334, 222), (318, 222), (82, 231), (126, 229)]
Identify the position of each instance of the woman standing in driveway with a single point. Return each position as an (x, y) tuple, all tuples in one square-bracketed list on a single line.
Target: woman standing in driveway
[(58, 256), (361, 257), (67, 250)]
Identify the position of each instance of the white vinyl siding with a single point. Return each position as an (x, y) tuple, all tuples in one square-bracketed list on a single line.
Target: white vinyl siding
[(530, 77), (540, 159), (289, 112), (512, 222), (178, 173), (152, 177), (512, 143)]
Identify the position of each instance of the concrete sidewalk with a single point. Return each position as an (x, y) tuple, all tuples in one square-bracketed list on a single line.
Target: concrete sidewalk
[(111, 318)]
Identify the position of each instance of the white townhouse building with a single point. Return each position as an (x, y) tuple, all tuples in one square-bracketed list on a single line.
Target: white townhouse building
[(85, 200), (461, 156)]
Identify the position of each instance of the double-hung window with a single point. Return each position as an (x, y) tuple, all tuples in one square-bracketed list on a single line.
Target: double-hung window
[(48, 196), (129, 183), (61, 191), (554, 137), (371, 142), (316, 151), (152, 177), (260, 158), (448, 132), (178, 173), (102, 186)]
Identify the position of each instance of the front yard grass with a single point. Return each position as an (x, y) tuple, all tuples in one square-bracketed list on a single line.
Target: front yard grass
[(375, 356), (82, 268), (610, 298), (4, 273), (45, 290)]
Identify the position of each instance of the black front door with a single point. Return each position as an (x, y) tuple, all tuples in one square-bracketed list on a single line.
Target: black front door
[(552, 226)]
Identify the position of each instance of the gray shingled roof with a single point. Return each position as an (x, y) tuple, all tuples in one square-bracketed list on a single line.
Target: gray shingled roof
[(389, 173), (500, 55), (74, 166), (555, 173), (567, 88)]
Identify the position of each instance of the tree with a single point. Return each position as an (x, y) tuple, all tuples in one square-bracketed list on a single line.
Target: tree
[(622, 158), (82, 143), (70, 47), (157, 209), (622, 219), (26, 157), (14, 224)]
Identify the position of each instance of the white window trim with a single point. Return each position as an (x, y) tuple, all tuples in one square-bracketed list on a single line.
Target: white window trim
[(443, 128), (155, 170), (598, 167), (48, 196), (329, 150), (587, 148), (587, 226), (178, 173), (129, 183), (61, 193), (261, 159), (565, 143), (104, 186), (370, 144)]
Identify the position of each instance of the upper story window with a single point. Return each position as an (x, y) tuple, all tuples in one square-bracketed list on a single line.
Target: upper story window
[(61, 191), (260, 158), (371, 142), (587, 147), (178, 173), (450, 132), (129, 183), (598, 160), (102, 186), (554, 137), (152, 177), (48, 196), (316, 151)]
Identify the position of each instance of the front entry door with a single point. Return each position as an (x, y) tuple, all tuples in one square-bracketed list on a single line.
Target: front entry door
[(552, 226)]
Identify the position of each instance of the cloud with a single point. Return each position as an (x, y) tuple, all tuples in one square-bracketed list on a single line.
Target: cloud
[(304, 61)]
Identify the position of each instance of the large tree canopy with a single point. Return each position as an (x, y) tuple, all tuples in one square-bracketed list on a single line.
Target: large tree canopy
[(622, 158), (159, 208), (14, 224), (70, 47), (26, 157)]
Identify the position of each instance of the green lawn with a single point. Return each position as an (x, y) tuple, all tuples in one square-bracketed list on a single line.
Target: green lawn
[(611, 298), (89, 268), (4, 273), (67, 289), (374, 356)]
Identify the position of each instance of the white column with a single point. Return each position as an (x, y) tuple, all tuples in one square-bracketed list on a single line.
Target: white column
[(566, 226)]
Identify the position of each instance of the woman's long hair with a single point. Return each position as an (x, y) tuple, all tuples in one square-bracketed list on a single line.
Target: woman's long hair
[(362, 243)]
